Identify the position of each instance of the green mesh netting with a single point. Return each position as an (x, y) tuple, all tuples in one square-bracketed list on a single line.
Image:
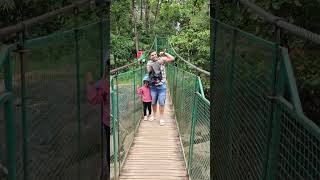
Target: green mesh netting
[(298, 140), (191, 110), (200, 167), (192, 115), (299, 148), (126, 108), (63, 131), (7, 128), (241, 110), (256, 135), (183, 110)]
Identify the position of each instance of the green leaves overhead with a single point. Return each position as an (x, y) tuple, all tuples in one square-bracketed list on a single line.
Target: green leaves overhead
[(6, 5)]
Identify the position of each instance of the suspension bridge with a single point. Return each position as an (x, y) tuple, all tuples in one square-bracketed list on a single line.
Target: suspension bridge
[(257, 128), (146, 150)]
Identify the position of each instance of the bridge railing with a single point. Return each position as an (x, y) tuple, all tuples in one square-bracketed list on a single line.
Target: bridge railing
[(259, 129), (295, 143), (192, 115), (7, 123), (192, 111), (126, 108), (50, 131)]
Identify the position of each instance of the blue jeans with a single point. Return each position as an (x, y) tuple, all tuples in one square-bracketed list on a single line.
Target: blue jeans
[(158, 93)]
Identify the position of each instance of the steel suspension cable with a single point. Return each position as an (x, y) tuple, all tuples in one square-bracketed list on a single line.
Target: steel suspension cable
[(278, 21), (188, 63), (181, 58), (130, 64)]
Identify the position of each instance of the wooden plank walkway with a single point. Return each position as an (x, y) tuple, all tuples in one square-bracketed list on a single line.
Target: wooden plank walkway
[(156, 151)]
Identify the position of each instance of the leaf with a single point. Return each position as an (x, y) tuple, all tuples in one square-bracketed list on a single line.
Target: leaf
[(6, 5), (297, 3), (276, 5)]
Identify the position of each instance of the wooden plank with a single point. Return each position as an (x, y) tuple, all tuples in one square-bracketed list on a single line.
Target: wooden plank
[(156, 152), (153, 153), (148, 166), (167, 177), (154, 174)]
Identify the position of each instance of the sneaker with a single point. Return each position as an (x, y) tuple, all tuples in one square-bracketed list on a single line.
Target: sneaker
[(161, 122), (150, 118), (145, 118)]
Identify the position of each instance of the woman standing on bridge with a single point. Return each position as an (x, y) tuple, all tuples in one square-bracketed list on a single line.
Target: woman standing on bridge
[(157, 75)]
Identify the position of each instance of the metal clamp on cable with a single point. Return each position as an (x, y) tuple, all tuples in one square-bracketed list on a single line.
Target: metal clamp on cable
[(277, 19), (272, 98), (76, 11), (21, 36)]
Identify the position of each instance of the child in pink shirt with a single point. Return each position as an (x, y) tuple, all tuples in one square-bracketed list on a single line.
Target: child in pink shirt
[(146, 98), (99, 93)]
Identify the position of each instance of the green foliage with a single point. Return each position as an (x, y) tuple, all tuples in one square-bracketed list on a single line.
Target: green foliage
[(7, 5), (121, 50), (121, 23), (193, 45), (304, 55), (193, 42), (169, 15), (14, 11), (307, 70)]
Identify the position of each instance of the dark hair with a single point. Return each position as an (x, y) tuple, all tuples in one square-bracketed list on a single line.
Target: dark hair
[(151, 52)]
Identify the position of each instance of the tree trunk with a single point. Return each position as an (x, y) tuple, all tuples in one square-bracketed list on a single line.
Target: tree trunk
[(141, 7), (194, 7), (147, 11), (117, 27), (134, 21), (157, 11)]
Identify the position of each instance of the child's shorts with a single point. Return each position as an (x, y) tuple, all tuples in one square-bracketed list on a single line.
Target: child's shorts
[(158, 94)]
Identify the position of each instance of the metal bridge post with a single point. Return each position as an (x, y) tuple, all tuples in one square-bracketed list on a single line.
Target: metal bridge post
[(22, 58), (118, 122), (175, 82), (213, 33), (9, 117), (77, 68), (193, 125), (134, 100), (114, 128), (274, 127), (99, 5), (181, 97), (227, 159)]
